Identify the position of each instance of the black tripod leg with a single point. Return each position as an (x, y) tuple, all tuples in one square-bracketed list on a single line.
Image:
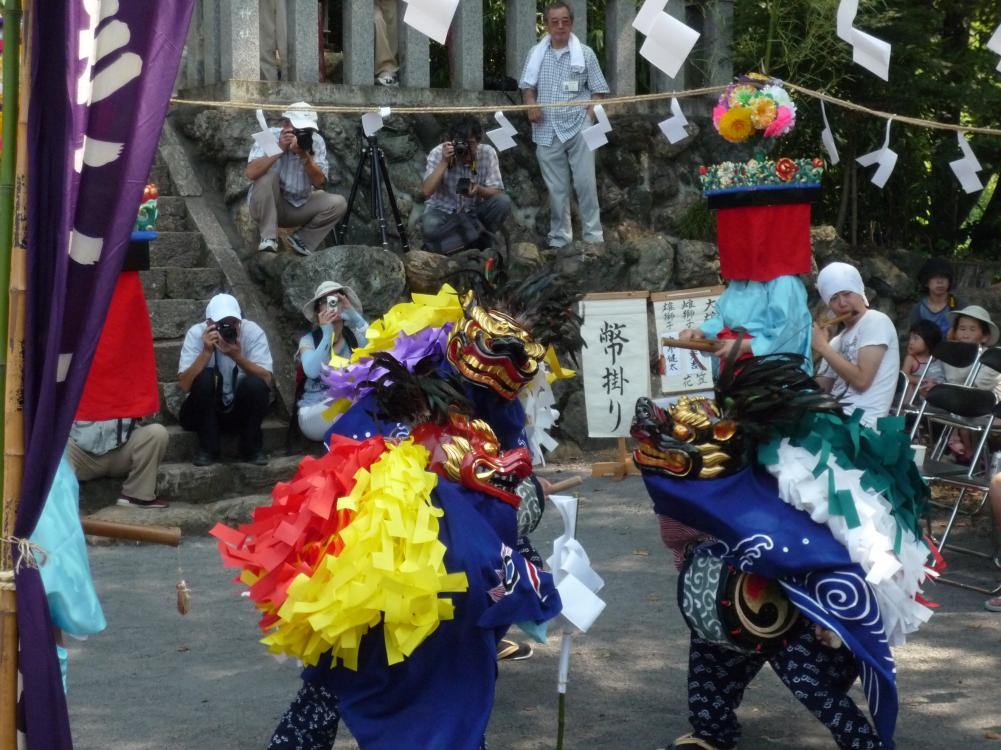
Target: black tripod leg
[(400, 227), (341, 229), (378, 207)]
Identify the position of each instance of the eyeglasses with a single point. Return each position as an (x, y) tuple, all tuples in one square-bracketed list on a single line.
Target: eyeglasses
[(559, 22)]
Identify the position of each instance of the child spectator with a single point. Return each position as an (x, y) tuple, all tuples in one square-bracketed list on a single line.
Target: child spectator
[(924, 337), (971, 325), (936, 279)]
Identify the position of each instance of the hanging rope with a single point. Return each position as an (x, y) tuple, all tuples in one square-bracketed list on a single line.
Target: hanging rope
[(615, 101)]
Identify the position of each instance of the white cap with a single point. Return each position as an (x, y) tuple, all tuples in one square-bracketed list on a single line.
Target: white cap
[(223, 306), (840, 277), (301, 115)]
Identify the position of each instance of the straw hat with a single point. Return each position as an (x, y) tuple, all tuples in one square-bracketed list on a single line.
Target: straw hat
[(325, 289), (977, 313)]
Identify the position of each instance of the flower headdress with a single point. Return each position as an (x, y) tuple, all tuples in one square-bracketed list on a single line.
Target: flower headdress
[(754, 103)]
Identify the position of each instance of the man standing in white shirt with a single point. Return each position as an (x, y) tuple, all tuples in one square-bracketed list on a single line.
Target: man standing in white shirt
[(561, 69)]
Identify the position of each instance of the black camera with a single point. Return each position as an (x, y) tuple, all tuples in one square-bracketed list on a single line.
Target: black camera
[(460, 147), (228, 331), (304, 138), (462, 186)]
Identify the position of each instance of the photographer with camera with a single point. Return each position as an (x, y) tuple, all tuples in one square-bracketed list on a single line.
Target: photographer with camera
[(336, 311), (465, 192), (225, 369), (288, 187)]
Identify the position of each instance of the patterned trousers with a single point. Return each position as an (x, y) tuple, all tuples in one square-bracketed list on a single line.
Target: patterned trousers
[(311, 721), (818, 676)]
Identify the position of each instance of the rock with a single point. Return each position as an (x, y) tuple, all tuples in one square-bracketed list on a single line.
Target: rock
[(171, 398), (696, 264), (425, 270), (378, 276), (654, 267), (236, 183), (524, 260), (887, 279), (222, 135), (828, 246)]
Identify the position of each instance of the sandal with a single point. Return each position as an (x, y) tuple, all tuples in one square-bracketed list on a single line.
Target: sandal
[(690, 740), (993, 604), (508, 650)]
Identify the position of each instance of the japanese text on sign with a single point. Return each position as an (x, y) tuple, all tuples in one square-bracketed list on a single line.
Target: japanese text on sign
[(683, 370)]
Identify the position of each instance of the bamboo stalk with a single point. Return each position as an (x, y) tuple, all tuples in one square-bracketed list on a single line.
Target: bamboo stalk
[(169, 535), (13, 272)]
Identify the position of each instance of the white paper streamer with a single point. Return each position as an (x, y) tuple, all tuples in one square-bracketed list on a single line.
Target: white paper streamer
[(371, 122), (538, 401), (576, 581), (884, 156), (594, 136), (827, 137), (871, 53), (502, 137), (967, 167), (673, 127), (431, 17)]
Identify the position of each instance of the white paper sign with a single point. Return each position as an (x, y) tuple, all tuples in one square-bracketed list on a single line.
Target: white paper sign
[(673, 127), (684, 370), (884, 156), (615, 363), (431, 17), (668, 44)]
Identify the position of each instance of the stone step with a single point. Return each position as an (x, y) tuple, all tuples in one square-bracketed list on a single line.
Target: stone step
[(173, 282), (185, 249), (183, 443), (186, 483), (159, 175), (168, 356), (171, 318), (194, 519), (172, 214)]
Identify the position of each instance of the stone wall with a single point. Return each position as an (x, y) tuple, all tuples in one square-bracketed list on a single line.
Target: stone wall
[(648, 191)]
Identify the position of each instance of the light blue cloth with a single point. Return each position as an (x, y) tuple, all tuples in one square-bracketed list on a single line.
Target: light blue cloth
[(774, 314), (65, 571)]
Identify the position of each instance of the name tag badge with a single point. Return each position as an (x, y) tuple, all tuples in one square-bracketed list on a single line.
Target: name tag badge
[(571, 87)]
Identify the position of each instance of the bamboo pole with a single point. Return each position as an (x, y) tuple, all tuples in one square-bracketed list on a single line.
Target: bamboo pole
[(169, 535), (13, 271)]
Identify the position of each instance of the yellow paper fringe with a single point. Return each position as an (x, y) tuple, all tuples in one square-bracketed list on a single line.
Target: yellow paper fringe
[(391, 569), (426, 311), (556, 370)]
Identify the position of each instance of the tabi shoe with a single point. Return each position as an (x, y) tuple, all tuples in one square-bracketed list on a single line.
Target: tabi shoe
[(268, 245), (298, 245), (508, 650), (132, 502), (690, 740)]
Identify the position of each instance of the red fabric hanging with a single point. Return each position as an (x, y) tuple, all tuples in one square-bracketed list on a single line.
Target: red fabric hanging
[(760, 243), (122, 380)]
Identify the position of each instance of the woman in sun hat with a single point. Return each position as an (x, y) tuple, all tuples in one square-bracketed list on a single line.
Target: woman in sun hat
[(336, 312)]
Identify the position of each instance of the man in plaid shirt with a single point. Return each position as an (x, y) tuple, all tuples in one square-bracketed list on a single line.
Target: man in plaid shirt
[(463, 175), (561, 69)]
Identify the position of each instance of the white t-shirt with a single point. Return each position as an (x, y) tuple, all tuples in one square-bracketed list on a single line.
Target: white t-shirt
[(253, 344), (873, 329)]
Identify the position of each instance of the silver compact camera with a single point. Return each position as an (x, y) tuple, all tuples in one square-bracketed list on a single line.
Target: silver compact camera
[(333, 303)]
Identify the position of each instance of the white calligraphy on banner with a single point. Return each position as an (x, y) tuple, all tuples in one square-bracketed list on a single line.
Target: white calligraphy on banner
[(684, 370), (615, 363)]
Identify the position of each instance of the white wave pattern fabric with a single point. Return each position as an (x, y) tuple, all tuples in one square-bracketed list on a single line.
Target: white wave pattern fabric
[(895, 579)]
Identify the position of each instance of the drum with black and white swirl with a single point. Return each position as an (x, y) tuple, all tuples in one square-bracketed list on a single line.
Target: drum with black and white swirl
[(734, 609)]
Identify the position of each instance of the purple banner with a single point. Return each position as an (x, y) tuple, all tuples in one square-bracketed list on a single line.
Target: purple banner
[(101, 78)]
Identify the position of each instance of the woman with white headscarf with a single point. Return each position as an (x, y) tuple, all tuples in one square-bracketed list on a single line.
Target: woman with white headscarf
[(861, 363)]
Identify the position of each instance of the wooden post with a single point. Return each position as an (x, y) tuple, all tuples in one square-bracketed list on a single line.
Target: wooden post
[(622, 467), (169, 535)]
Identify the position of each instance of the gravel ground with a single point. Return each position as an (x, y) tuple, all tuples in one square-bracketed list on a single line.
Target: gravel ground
[(156, 680)]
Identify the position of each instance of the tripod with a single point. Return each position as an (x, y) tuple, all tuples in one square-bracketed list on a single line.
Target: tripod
[(378, 177)]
